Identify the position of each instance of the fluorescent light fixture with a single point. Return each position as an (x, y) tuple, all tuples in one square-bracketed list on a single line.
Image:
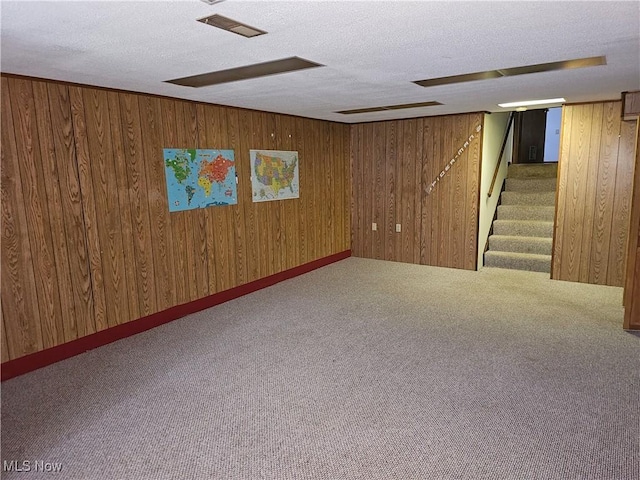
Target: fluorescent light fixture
[(531, 103)]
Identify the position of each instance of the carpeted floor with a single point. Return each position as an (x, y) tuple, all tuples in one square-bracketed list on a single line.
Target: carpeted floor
[(360, 370)]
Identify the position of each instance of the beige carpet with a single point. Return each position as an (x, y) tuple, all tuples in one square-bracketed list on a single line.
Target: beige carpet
[(360, 370)]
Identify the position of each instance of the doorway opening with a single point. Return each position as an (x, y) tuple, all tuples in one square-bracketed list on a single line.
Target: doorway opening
[(536, 136)]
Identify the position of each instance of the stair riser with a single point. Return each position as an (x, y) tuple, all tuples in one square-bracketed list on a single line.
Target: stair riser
[(517, 212), (524, 245), (539, 170), (533, 265), (523, 229), (520, 198), (530, 185)]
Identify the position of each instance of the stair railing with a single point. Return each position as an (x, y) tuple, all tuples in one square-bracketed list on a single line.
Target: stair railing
[(504, 144)]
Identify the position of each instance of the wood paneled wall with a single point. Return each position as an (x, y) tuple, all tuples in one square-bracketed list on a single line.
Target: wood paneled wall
[(594, 194), (393, 162), (87, 238), (632, 284)]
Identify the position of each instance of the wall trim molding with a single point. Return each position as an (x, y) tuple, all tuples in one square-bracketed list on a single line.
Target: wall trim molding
[(43, 358)]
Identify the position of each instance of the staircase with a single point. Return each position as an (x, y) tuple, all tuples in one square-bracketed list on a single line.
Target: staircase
[(523, 230)]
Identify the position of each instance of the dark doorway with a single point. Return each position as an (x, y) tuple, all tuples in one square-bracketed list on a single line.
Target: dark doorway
[(529, 135)]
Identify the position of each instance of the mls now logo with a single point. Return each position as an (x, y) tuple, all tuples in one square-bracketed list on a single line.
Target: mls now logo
[(29, 466)]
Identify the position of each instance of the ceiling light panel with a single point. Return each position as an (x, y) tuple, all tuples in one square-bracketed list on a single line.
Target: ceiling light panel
[(231, 25), (532, 103), (509, 72), (275, 67)]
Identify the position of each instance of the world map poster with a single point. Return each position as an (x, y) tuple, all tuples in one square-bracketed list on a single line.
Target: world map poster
[(274, 175), (200, 178)]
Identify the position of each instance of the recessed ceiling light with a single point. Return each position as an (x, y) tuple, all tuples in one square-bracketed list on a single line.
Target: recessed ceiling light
[(531, 103), (231, 25)]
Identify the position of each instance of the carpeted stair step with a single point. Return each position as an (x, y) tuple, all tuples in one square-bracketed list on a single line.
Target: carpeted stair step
[(518, 261), (506, 243), (523, 228), (525, 212), (529, 198), (530, 185), (533, 170)]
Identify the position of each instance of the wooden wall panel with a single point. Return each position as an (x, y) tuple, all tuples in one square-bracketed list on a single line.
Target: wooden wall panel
[(303, 218), (357, 168), (5, 345), (393, 163), (632, 281), (474, 164), (161, 234), (88, 207), (24, 110), (245, 196), (124, 223), (105, 190), (80, 286), (138, 204), (88, 242), (23, 328), (622, 204), (64, 325), (170, 133), (594, 194)]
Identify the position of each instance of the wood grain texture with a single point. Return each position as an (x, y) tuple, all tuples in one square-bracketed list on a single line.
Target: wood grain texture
[(88, 241), (79, 287), (161, 234), (393, 163), (170, 134), (622, 204), (594, 194), (5, 346), (64, 320), (590, 186), (30, 164), (23, 329), (138, 204), (576, 181), (244, 170), (106, 200), (89, 207), (631, 103), (632, 281), (124, 222), (563, 171)]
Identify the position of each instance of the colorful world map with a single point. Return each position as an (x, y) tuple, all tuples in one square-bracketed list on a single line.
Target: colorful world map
[(200, 178), (275, 175)]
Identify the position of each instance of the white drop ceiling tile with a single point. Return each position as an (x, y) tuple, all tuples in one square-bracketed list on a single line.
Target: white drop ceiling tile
[(373, 50)]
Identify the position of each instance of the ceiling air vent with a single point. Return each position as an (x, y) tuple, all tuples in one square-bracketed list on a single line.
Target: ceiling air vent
[(231, 25), (275, 67), (510, 72), (389, 107)]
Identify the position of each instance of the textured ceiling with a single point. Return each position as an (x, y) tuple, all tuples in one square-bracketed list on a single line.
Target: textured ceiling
[(372, 51)]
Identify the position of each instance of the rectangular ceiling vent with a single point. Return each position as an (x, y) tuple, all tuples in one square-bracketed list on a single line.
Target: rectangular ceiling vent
[(231, 25), (275, 67), (510, 72), (389, 107)]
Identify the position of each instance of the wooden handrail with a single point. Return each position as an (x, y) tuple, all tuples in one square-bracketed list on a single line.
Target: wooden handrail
[(504, 144)]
